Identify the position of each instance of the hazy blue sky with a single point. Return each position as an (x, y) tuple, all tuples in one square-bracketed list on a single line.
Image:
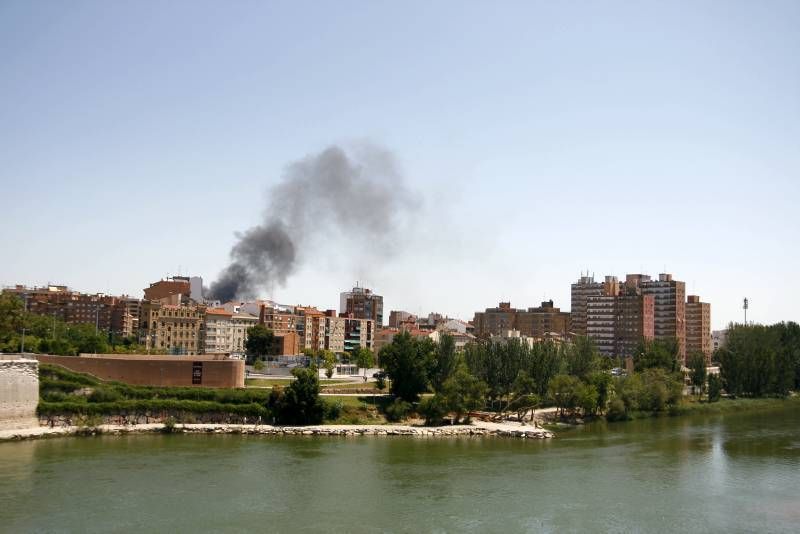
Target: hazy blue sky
[(544, 138)]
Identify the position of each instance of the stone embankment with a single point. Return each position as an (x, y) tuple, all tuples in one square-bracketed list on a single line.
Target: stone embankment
[(477, 430)]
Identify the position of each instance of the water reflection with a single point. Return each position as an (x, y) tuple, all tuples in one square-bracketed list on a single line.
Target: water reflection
[(691, 473)]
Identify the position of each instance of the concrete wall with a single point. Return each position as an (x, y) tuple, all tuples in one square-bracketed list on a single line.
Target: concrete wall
[(142, 370), (19, 391)]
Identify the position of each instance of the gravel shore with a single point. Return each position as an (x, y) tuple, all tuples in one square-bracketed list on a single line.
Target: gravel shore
[(478, 428)]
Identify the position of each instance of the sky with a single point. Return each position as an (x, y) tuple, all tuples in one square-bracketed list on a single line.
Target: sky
[(542, 140)]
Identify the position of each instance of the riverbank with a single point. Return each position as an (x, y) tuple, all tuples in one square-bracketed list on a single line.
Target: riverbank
[(726, 405), (720, 407), (477, 429)]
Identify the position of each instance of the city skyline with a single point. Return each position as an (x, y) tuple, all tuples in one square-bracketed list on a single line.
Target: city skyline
[(539, 142), (344, 302)]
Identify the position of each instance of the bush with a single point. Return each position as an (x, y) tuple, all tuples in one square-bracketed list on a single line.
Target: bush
[(616, 410), (380, 381), (300, 403), (54, 396), (714, 388), (104, 395), (89, 421), (169, 426), (433, 409), (397, 411), (333, 410)]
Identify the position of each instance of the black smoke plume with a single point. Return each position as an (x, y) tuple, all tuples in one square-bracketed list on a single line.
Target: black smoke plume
[(356, 196)]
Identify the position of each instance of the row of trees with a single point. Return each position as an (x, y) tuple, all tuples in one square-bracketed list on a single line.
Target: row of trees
[(50, 335), (759, 360), (517, 377)]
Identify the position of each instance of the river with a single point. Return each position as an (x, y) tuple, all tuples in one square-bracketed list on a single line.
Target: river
[(733, 473)]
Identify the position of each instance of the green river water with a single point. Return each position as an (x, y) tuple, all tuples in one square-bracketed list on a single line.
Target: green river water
[(733, 473)]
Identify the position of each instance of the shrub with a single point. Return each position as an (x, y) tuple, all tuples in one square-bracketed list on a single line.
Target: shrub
[(616, 410), (433, 409), (104, 395), (397, 411), (380, 381), (300, 403), (169, 426), (89, 421), (333, 410), (714, 388)]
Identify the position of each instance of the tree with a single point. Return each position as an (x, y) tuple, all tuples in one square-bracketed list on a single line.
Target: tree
[(714, 388), (758, 360), (300, 403), (652, 390), (444, 361), (697, 364), (586, 398), (328, 362), (563, 391), (524, 398), (603, 383), (405, 361), (657, 353), (380, 381), (463, 392), (582, 357), (12, 316), (365, 359), (261, 342), (433, 409)]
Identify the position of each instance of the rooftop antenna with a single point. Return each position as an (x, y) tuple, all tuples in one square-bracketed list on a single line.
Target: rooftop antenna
[(745, 305)]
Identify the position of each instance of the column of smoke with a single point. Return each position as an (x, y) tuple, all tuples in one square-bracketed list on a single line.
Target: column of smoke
[(356, 196)]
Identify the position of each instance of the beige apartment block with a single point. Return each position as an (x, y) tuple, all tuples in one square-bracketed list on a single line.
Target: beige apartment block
[(698, 327), (174, 329), (669, 318)]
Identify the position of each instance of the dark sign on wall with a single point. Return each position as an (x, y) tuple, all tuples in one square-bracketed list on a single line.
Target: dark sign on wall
[(197, 372)]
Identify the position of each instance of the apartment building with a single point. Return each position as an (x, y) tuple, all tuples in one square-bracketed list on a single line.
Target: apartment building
[(620, 317), (398, 317), (493, 321), (334, 332), (669, 298), (310, 327), (698, 327), (175, 329), (125, 317), (581, 290), (240, 323), (280, 319), (601, 317), (106, 312), (635, 314), (362, 303), (539, 322), (218, 331), (358, 333)]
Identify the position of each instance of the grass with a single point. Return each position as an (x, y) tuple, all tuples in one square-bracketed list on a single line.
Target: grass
[(358, 410), (271, 382), (354, 385), (267, 382), (347, 400), (726, 405)]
